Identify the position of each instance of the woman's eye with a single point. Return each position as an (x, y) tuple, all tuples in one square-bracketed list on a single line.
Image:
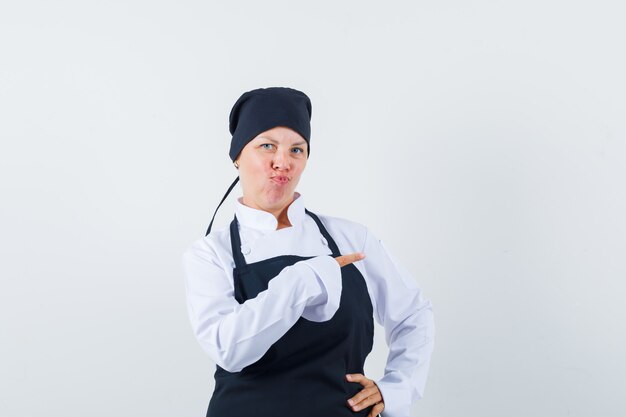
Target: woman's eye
[(268, 144), (298, 149)]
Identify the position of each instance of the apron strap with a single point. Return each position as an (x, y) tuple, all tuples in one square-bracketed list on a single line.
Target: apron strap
[(331, 241), (218, 206), (235, 243)]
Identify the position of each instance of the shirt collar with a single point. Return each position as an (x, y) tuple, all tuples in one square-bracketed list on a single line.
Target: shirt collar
[(264, 220)]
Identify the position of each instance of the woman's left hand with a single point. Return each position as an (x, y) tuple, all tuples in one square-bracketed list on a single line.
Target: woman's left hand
[(367, 396)]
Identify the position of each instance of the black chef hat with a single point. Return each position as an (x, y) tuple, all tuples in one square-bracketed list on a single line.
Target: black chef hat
[(264, 108)]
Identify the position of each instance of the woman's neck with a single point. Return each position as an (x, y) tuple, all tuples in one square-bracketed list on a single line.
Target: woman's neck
[(282, 218), (280, 214)]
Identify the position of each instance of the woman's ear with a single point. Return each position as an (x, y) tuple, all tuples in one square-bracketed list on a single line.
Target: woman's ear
[(236, 164)]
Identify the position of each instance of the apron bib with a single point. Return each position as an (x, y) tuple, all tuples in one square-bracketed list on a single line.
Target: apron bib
[(303, 373)]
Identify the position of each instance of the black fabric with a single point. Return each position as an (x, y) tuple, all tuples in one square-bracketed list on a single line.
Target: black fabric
[(208, 230), (303, 373), (264, 108)]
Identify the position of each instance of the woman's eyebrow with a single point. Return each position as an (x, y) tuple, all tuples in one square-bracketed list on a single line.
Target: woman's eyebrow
[(275, 141)]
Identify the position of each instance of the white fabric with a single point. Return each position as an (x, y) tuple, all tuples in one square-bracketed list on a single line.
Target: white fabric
[(236, 335)]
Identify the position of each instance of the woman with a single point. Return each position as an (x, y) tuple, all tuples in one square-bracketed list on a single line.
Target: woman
[(283, 299)]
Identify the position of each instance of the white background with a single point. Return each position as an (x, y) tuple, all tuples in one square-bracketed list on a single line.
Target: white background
[(482, 141)]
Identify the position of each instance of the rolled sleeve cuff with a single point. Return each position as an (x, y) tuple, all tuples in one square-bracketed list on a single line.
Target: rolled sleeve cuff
[(397, 399), (328, 274)]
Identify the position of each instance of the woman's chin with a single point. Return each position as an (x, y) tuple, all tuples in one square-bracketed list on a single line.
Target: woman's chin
[(279, 196)]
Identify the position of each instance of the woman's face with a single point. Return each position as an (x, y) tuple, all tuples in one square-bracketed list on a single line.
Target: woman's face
[(270, 166)]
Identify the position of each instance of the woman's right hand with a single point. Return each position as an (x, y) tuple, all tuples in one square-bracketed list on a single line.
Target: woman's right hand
[(348, 259)]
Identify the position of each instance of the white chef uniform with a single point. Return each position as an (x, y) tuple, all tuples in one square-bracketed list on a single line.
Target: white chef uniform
[(236, 335)]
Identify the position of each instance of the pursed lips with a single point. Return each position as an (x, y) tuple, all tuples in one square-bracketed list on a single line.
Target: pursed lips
[(281, 179)]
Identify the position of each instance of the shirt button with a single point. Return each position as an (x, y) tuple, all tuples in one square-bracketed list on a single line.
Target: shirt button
[(245, 249), (324, 241)]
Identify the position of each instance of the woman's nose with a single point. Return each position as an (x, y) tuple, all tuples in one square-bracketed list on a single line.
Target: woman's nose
[(281, 159)]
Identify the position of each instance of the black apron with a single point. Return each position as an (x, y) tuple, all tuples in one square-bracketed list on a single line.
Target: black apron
[(303, 373)]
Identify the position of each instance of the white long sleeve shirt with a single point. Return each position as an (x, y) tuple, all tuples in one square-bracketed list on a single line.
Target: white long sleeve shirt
[(236, 335)]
